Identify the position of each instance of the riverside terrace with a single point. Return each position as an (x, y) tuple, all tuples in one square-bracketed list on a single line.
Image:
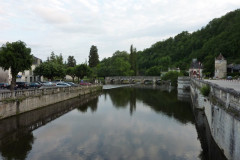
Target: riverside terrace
[(15, 102)]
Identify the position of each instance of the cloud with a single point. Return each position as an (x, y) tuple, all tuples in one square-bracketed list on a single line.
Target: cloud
[(51, 15), (72, 26)]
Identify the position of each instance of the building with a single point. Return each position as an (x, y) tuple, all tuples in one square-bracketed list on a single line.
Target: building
[(220, 67), (233, 68), (26, 76), (5, 76), (195, 70)]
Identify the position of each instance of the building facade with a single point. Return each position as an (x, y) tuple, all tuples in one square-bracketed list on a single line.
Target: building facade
[(26, 76), (195, 70), (220, 67)]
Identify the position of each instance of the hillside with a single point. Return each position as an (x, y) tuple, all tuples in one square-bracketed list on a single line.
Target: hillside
[(221, 35)]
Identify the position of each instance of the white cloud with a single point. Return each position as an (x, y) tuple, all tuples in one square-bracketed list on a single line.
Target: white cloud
[(72, 26)]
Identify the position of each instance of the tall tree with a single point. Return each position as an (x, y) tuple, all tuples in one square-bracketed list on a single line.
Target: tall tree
[(71, 62), (71, 71), (81, 71), (133, 59), (93, 57), (50, 70), (16, 57)]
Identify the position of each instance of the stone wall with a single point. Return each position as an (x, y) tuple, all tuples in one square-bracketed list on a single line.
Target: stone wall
[(29, 121), (222, 110), (16, 102)]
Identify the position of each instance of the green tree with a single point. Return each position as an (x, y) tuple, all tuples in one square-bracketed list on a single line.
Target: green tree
[(82, 70), (93, 57), (153, 71), (71, 62), (71, 72), (50, 70), (172, 76), (16, 57), (133, 59)]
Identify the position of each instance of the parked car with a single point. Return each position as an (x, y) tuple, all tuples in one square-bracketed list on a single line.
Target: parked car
[(35, 85), (3, 85), (72, 84), (229, 77), (62, 84), (49, 84), (22, 85), (85, 83)]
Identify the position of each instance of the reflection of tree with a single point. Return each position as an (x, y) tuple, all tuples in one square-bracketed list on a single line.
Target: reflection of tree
[(158, 100), (132, 101), (91, 104), (19, 147), (120, 97)]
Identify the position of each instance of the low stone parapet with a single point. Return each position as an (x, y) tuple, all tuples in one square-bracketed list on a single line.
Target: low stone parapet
[(16, 102)]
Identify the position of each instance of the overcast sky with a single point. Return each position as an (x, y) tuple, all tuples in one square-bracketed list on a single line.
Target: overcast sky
[(70, 27)]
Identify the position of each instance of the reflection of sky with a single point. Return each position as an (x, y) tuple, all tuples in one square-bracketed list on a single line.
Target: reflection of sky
[(112, 133)]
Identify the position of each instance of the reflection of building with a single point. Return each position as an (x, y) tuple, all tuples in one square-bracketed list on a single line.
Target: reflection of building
[(220, 67), (26, 76), (195, 70)]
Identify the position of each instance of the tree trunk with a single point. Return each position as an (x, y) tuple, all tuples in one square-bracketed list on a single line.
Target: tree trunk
[(13, 82)]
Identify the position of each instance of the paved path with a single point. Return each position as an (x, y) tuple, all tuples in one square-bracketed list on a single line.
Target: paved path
[(234, 84)]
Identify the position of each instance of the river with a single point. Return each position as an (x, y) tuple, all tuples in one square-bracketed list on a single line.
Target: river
[(120, 123)]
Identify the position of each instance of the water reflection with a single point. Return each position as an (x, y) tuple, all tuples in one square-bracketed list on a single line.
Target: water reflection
[(124, 123), (160, 101), (19, 147), (16, 136)]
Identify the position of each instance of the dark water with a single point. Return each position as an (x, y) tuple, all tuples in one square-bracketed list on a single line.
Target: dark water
[(122, 123)]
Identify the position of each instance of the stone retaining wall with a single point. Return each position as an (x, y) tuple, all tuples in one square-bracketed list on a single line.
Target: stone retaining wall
[(16, 102), (222, 110)]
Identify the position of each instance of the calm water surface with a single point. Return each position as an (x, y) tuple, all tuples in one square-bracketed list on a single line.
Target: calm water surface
[(122, 123)]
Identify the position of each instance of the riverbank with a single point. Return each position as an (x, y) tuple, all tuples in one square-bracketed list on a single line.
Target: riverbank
[(16, 102)]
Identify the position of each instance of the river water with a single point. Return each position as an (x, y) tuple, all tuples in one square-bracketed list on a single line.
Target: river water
[(120, 123)]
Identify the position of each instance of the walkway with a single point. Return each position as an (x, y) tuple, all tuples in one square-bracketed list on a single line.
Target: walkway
[(234, 84)]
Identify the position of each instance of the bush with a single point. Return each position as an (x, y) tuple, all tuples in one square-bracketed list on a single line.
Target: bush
[(205, 90), (172, 76)]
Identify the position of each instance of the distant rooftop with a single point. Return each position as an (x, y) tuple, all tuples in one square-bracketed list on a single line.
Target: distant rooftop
[(220, 57)]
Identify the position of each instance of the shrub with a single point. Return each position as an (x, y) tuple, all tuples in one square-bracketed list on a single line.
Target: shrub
[(205, 90), (172, 76)]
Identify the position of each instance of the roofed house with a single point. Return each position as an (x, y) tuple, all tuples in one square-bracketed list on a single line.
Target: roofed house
[(233, 68), (195, 70)]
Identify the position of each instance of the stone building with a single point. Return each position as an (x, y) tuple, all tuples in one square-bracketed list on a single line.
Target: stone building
[(220, 67), (195, 70)]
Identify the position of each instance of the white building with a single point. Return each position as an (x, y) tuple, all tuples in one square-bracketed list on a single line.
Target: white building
[(26, 76)]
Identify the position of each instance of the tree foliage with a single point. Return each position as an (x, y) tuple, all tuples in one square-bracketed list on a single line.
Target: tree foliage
[(16, 57), (93, 57), (133, 59), (172, 76), (221, 35), (82, 70), (52, 68), (71, 61), (117, 65)]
